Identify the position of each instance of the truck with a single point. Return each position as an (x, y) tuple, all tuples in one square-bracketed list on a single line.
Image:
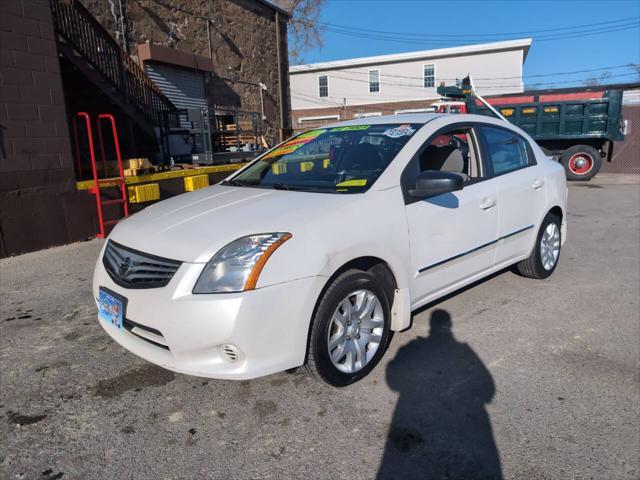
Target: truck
[(577, 127)]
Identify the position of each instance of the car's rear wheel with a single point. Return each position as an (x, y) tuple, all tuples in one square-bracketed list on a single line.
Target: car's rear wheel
[(350, 330), (581, 162), (546, 252)]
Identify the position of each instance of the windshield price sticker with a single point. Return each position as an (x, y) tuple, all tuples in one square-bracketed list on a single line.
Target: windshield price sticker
[(305, 138), (351, 128), (283, 150), (292, 145), (401, 131), (311, 134)]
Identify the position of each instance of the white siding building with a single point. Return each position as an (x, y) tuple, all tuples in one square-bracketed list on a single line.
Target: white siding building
[(405, 82)]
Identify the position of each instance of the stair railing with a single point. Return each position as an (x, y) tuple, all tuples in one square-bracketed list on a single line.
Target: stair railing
[(75, 24)]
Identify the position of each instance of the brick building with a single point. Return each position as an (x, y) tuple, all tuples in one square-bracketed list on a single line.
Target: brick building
[(58, 58), (232, 45), (39, 204)]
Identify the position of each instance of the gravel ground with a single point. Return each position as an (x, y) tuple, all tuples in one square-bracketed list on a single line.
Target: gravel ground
[(511, 378)]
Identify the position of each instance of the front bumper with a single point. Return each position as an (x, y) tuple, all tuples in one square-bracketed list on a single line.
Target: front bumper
[(268, 326)]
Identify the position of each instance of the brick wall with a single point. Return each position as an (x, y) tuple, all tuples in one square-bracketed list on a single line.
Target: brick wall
[(348, 112), (37, 182)]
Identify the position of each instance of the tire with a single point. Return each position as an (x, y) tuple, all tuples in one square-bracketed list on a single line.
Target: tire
[(538, 266), (338, 320), (581, 162)]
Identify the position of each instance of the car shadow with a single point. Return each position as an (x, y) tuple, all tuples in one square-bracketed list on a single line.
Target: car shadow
[(440, 427)]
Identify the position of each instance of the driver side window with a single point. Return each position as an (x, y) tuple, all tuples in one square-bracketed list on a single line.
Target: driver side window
[(452, 151)]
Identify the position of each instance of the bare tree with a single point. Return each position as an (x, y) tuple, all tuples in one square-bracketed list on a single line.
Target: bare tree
[(305, 32), (594, 81)]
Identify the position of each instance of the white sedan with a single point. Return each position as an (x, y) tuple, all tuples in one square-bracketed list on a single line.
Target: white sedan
[(316, 252)]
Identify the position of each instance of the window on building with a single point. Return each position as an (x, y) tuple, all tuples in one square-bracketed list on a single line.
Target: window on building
[(323, 85), (416, 110), (429, 73), (367, 114), (374, 81), (309, 122)]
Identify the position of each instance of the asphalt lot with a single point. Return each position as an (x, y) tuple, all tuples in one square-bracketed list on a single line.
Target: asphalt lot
[(534, 380)]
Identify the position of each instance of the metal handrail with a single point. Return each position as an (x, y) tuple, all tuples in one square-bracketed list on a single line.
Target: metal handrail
[(75, 24)]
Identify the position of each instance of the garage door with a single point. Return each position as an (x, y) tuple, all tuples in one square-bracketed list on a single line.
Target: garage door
[(184, 88)]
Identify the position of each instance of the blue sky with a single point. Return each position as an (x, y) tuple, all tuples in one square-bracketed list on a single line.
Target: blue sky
[(449, 21)]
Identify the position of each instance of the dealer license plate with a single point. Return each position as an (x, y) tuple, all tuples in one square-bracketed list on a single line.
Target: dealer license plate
[(111, 307)]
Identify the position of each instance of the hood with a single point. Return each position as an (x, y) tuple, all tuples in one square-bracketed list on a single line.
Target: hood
[(192, 227)]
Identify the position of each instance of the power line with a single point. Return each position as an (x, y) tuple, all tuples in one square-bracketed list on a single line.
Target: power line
[(439, 35), (422, 39), (568, 35)]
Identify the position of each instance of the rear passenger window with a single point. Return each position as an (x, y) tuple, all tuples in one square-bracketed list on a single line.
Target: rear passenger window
[(506, 151)]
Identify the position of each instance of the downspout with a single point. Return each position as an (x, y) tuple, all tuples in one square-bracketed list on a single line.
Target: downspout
[(262, 87), (209, 39), (280, 87), (122, 29)]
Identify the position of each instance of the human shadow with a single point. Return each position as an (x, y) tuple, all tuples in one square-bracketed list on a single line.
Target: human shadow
[(440, 427)]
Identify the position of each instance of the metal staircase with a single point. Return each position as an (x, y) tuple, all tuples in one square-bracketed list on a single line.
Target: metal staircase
[(90, 47)]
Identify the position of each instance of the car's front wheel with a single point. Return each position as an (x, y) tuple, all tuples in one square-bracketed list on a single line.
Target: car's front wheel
[(546, 252), (350, 330)]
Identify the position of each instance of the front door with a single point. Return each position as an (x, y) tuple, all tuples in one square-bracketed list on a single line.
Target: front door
[(452, 235)]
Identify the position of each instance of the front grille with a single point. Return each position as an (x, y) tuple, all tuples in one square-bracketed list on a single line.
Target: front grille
[(132, 269)]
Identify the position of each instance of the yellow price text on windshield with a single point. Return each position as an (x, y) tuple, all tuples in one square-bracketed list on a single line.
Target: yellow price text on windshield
[(356, 182), (350, 128)]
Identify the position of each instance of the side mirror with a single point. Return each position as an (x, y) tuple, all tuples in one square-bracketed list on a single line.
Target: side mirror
[(434, 182)]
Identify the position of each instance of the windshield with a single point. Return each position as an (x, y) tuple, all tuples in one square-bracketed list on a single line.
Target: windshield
[(336, 160)]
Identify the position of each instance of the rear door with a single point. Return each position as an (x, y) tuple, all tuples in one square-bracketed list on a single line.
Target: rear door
[(520, 190)]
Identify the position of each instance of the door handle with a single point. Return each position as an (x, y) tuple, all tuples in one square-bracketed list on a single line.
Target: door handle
[(538, 184), (487, 203)]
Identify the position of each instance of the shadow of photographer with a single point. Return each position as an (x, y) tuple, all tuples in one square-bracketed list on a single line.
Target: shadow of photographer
[(440, 427)]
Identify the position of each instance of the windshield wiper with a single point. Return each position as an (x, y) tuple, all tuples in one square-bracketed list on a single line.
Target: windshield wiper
[(239, 183), (281, 186)]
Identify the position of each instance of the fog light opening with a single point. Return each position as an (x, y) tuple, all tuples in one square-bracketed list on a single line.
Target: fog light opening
[(230, 352)]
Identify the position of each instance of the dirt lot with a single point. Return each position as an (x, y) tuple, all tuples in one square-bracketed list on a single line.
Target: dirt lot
[(535, 380)]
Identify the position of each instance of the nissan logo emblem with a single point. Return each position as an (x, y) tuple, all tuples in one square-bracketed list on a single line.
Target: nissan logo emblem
[(125, 266)]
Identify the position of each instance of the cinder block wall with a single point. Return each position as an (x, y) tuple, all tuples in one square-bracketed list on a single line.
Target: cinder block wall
[(39, 204)]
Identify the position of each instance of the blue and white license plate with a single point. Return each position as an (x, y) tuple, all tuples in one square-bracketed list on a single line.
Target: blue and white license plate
[(111, 307)]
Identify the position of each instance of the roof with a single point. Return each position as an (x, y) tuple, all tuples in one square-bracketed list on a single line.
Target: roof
[(275, 7), (523, 44), (383, 119)]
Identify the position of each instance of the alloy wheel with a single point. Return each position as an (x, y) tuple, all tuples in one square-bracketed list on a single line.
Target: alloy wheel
[(550, 246), (355, 331)]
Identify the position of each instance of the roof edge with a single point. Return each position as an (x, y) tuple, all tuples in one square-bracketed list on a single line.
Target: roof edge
[(275, 7), (523, 43)]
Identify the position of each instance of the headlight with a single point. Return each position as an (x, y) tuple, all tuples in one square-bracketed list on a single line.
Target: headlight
[(237, 266)]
